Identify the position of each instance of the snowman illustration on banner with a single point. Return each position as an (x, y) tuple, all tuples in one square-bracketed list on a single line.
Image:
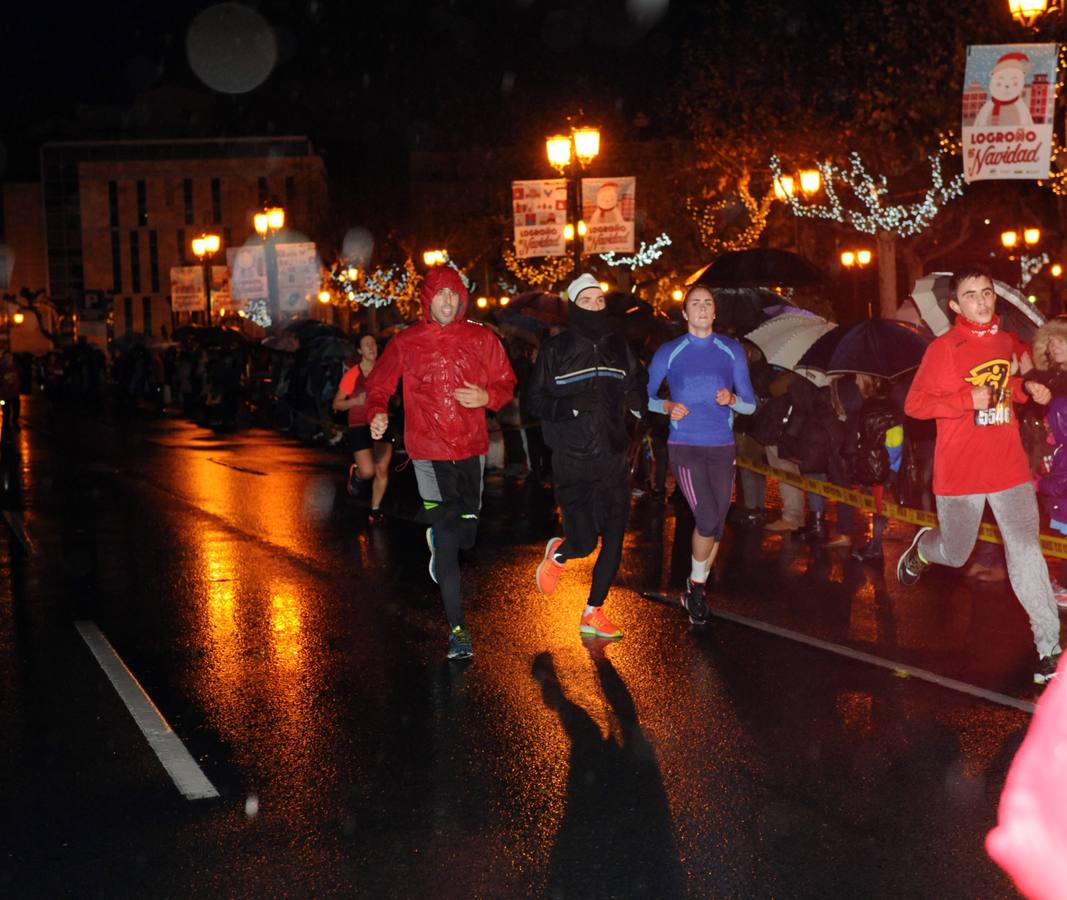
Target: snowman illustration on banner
[(1006, 105)]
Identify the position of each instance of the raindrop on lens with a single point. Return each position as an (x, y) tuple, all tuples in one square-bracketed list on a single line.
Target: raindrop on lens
[(231, 48), (251, 805)]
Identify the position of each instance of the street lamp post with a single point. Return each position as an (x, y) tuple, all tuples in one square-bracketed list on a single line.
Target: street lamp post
[(1031, 237), (267, 224), (569, 154), (855, 261), (1028, 12), (204, 248)]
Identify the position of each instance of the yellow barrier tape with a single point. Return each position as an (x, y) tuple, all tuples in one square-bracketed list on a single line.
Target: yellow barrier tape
[(1050, 544)]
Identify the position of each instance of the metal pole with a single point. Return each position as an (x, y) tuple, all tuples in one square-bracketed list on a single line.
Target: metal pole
[(272, 279), (207, 285), (577, 215)]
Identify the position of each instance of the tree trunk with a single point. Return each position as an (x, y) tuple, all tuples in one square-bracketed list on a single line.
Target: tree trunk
[(887, 274)]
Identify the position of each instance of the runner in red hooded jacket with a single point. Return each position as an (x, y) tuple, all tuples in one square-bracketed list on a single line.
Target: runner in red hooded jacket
[(452, 369)]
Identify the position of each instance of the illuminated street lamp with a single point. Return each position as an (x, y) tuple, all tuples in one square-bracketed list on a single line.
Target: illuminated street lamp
[(677, 294), (267, 224), (204, 248), (574, 152), (1031, 236), (1056, 270), (504, 301), (18, 318), (1027, 12), (783, 187), (810, 181), (435, 257), (1009, 239), (324, 296), (855, 261)]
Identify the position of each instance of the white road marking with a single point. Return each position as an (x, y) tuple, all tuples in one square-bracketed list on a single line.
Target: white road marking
[(180, 765), (897, 668)]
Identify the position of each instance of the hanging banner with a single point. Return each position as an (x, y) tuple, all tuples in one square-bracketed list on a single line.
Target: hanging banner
[(298, 276), (608, 211), (221, 298), (248, 272), (540, 212), (187, 289), (1008, 101)]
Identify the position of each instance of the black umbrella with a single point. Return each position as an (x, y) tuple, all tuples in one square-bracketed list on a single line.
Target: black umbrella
[(210, 335), (883, 347), (328, 346), (739, 310), (306, 330), (758, 267)]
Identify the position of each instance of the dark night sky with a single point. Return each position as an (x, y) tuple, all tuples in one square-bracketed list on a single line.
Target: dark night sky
[(366, 81)]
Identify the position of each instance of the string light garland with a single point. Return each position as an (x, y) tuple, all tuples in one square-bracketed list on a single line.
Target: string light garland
[(258, 311), (549, 271), (393, 284), (1029, 266), (708, 218), (904, 219), (646, 254)]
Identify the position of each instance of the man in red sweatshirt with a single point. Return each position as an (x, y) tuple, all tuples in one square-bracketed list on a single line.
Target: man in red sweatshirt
[(965, 384), (453, 370)]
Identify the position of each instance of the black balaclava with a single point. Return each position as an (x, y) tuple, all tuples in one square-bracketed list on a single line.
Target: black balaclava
[(589, 323)]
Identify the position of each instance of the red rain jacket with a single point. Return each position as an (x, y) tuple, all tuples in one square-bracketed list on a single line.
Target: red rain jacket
[(434, 360)]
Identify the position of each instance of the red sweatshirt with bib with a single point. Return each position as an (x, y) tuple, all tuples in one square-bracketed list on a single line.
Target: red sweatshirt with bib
[(978, 451)]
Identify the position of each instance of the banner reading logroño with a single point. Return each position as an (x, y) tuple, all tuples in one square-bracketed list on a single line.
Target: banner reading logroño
[(187, 289), (1008, 102), (540, 211), (608, 211)]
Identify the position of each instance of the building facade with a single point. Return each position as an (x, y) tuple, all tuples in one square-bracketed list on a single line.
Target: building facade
[(118, 215)]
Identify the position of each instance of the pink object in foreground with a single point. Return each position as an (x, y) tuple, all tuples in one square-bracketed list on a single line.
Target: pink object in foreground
[(1030, 840)]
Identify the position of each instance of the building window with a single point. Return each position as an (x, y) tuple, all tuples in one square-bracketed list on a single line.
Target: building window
[(153, 260), (187, 192), (290, 190), (142, 203), (135, 261), (127, 312), (116, 261), (216, 200), (264, 191), (181, 247), (146, 315), (113, 203)]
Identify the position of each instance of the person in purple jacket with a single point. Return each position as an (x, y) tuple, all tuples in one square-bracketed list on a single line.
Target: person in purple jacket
[(709, 382), (1053, 487)]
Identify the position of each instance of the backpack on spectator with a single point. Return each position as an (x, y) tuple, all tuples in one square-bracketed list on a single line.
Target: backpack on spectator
[(864, 448)]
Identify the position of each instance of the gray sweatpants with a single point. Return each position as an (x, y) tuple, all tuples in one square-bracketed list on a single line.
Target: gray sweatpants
[(1015, 511)]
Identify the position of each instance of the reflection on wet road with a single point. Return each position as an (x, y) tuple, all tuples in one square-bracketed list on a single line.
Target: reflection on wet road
[(299, 654)]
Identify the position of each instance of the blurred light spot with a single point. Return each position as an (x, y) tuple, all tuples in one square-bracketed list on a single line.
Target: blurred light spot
[(507, 83), (357, 246), (231, 48), (251, 805), (646, 13)]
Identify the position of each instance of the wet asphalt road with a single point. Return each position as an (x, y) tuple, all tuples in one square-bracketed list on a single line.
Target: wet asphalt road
[(299, 656)]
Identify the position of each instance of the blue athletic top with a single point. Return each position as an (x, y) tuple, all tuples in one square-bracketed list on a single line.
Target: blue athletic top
[(696, 368)]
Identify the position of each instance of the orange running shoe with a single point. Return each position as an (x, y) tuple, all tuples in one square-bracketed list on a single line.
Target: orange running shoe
[(547, 575), (599, 624)]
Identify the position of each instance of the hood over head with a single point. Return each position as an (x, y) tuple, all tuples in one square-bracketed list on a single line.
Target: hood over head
[(437, 279)]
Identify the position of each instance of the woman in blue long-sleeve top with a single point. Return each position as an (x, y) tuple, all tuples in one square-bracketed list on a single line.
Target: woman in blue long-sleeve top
[(708, 378)]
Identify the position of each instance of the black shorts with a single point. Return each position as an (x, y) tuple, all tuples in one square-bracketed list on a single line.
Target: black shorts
[(358, 438)]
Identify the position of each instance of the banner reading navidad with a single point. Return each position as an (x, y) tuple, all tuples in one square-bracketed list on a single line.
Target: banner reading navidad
[(608, 211), (1008, 102), (540, 211), (187, 289)]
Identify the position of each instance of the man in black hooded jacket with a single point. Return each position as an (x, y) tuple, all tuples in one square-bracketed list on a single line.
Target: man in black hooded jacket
[(584, 381)]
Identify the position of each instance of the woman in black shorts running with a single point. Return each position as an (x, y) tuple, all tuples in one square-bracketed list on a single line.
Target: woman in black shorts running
[(371, 458)]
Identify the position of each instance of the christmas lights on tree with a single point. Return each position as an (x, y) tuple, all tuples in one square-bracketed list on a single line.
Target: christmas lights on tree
[(258, 311), (549, 271), (646, 254), (903, 219), (708, 218), (354, 287), (1029, 266)]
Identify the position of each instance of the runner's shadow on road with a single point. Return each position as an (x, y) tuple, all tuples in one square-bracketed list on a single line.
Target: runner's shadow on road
[(616, 837)]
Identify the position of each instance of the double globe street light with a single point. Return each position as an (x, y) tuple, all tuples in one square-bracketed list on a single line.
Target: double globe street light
[(204, 249), (267, 224), (569, 154)]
